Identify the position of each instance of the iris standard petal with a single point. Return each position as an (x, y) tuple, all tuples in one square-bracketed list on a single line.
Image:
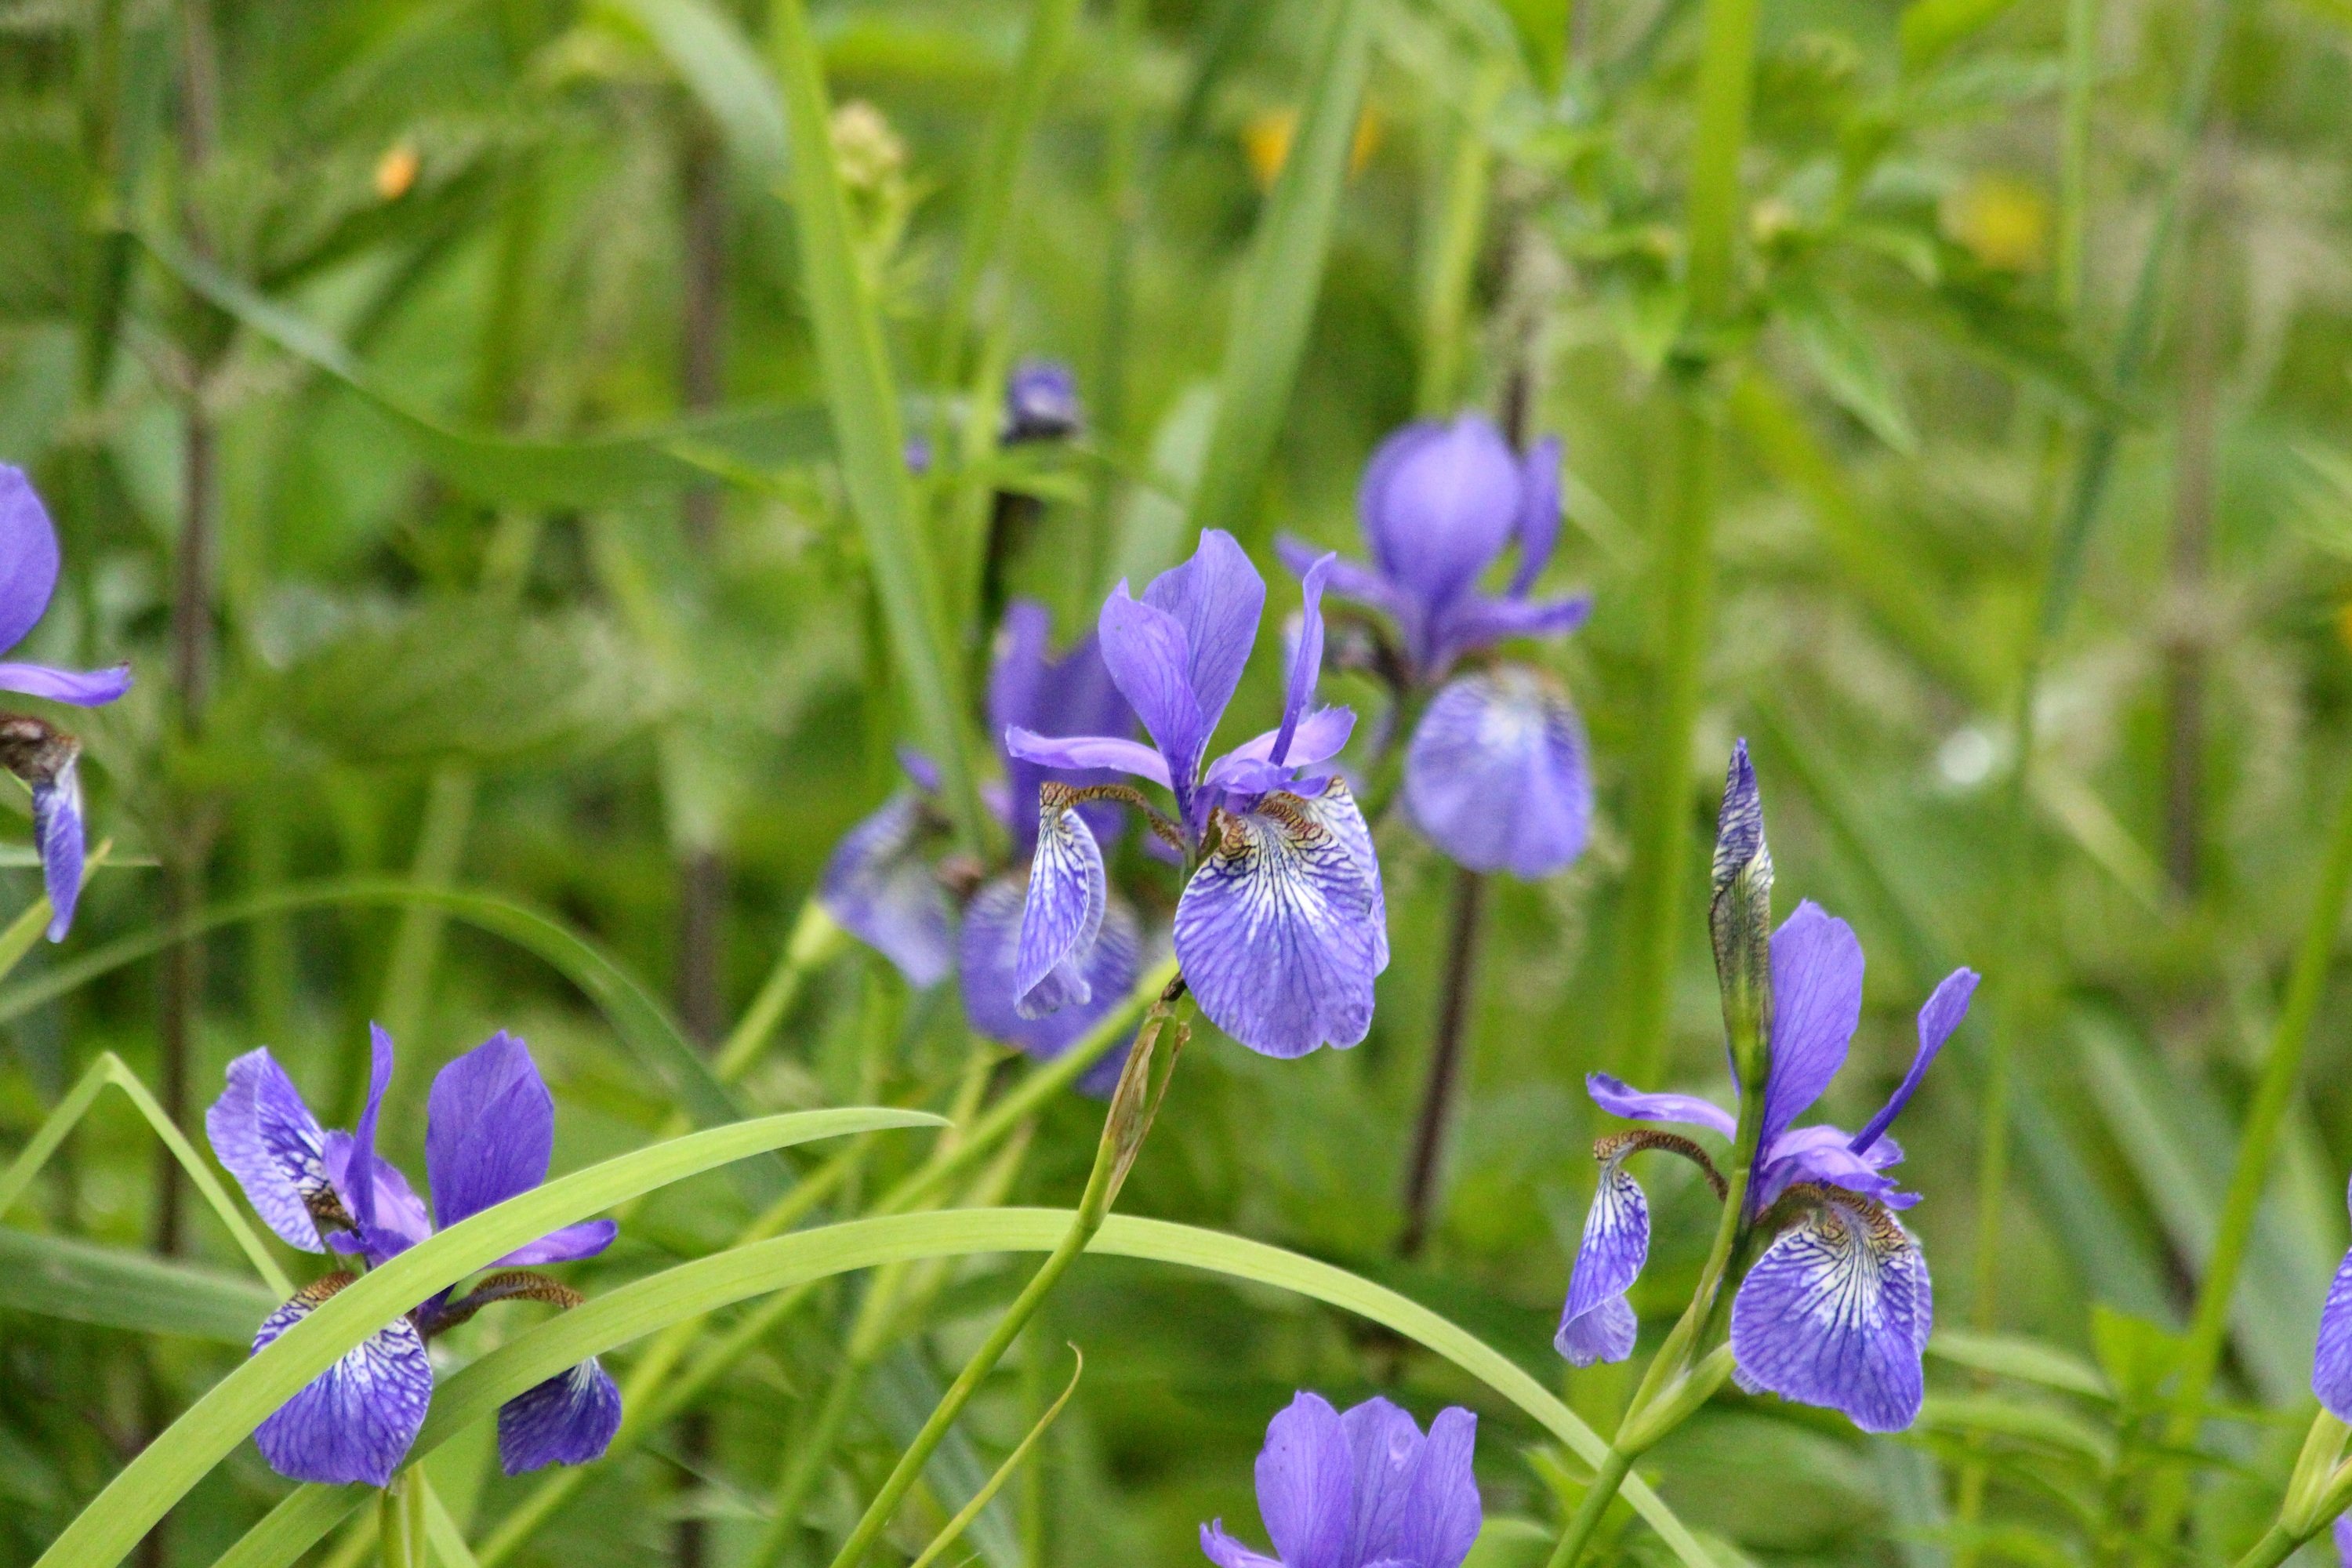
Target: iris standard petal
[(1088, 753), (1250, 768), (1538, 512), (881, 890), (1836, 1313), (81, 688), (570, 1419), (354, 1171), (1619, 1098), (1146, 649), (489, 1129), (1438, 503), (277, 1167), (1348, 579), (1016, 669), (1938, 1016), (356, 1421), (28, 556), (1826, 1154), (1596, 1323), (1306, 658), (1816, 1005), (1441, 1515), (58, 834), (1226, 1552), (1062, 914), (992, 931), (1216, 597), (1280, 932), (1383, 1440), (400, 1221), (1305, 1485), (1495, 775)]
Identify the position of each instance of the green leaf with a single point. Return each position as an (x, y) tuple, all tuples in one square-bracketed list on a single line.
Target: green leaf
[(2037, 1426), (185, 1451), (1267, 336), (1849, 364), (59, 1276), (706, 46), (1931, 28), (2027, 1360)]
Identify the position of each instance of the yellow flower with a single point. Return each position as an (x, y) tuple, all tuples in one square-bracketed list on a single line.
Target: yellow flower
[(1266, 142), (2001, 220), (395, 172)]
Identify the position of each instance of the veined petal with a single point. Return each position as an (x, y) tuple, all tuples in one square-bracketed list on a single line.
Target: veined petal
[(1226, 1552), (2331, 1365), (1062, 915), (1145, 648), (489, 1129), (1619, 1098), (82, 688), (1441, 1515), (1826, 1154), (1538, 512), (1438, 502), (1249, 769), (1383, 1441), (1938, 1016), (354, 1174), (1836, 1313), (1816, 1005), (1072, 696), (1306, 658), (277, 1163), (570, 1419), (400, 1220), (1336, 809), (1475, 620), (356, 1421), (1495, 775), (1280, 932), (1216, 597), (992, 931), (584, 1239), (1596, 1323), (880, 888), (1305, 1485), (28, 556), (58, 834), (1088, 753)]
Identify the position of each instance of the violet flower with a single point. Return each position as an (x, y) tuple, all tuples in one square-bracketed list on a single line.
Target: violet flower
[(1041, 403), (490, 1132), (1836, 1311), (1494, 774), (1361, 1490), (44, 756), (2331, 1366), (1282, 927)]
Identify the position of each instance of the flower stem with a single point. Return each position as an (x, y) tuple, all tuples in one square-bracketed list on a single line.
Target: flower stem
[(400, 1521), (1607, 1477), (1130, 1119), (1444, 1057), (2271, 1551)]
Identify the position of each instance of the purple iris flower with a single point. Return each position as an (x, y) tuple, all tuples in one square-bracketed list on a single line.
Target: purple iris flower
[(1836, 1312), (1283, 926), (45, 757), (1041, 403), (1494, 774), (1365, 1490), (2331, 1368), (883, 886), (490, 1132)]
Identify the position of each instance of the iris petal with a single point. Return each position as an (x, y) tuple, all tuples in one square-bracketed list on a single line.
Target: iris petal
[(1538, 512), (353, 1422), (1383, 1441), (1438, 502), (1596, 1323), (1226, 1552), (1475, 620), (1836, 1313), (58, 833), (1495, 775), (489, 1129), (1816, 1005), (81, 688), (570, 1419), (880, 888), (1938, 1016), (1619, 1098), (1441, 1512), (28, 556), (1062, 915), (1305, 1485), (1088, 754), (1216, 597), (992, 931), (1149, 659), (2331, 1366), (275, 1167)]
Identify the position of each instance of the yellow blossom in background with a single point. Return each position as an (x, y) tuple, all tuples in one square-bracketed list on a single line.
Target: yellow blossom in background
[(1266, 142), (2002, 221), (870, 152), (395, 172)]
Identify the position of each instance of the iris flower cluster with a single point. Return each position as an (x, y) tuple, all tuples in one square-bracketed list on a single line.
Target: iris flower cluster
[(1495, 774), (489, 1134)]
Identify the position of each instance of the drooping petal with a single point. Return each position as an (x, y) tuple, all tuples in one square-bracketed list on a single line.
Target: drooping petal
[(1280, 932), (1619, 1098), (1438, 502), (1061, 917), (1216, 597), (1441, 1515), (880, 887), (1305, 1485), (1538, 512), (570, 1419), (356, 1421), (1348, 579), (584, 1239), (1306, 658), (1475, 620), (489, 1129), (1495, 775), (992, 931), (1816, 1005), (1836, 1313), (1145, 648), (1079, 753), (58, 833), (28, 557), (1596, 1323), (275, 1165), (1226, 1552), (1938, 1016), (81, 688)]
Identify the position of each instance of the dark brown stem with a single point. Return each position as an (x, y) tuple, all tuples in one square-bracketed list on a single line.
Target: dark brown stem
[(1445, 1059)]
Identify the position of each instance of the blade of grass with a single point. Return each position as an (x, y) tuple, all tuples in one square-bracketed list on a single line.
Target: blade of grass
[(59, 1276), (720, 67), (955, 1527)]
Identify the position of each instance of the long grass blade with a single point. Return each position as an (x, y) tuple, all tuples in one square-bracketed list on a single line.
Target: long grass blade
[(59, 1276), (953, 1530)]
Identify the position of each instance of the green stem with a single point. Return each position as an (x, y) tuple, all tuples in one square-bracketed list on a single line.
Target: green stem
[(2272, 1549), (1461, 222), (400, 1513), (1606, 1480), (814, 942)]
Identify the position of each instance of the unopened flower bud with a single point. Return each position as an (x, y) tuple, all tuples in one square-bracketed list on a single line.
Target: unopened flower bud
[(1739, 919)]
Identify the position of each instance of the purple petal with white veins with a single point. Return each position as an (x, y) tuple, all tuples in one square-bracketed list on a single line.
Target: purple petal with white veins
[(880, 886), (1441, 1515), (1538, 512), (1036, 693), (356, 1421), (992, 931), (56, 832), (1609, 1259), (1816, 1005), (1619, 1098), (573, 1242), (1335, 808), (1306, 658), (277, 1168), (1438, 503), (489, 1129), (1495, 775), (82, 688), (1061, 916), (1216, 597), (1305, 1485), (570, 1419), (1474, 621), (1938, 1016), (1145, 648), (1077, 754), (1226, 1552), (28, 557), (1837, 1313), (1280, 932)]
